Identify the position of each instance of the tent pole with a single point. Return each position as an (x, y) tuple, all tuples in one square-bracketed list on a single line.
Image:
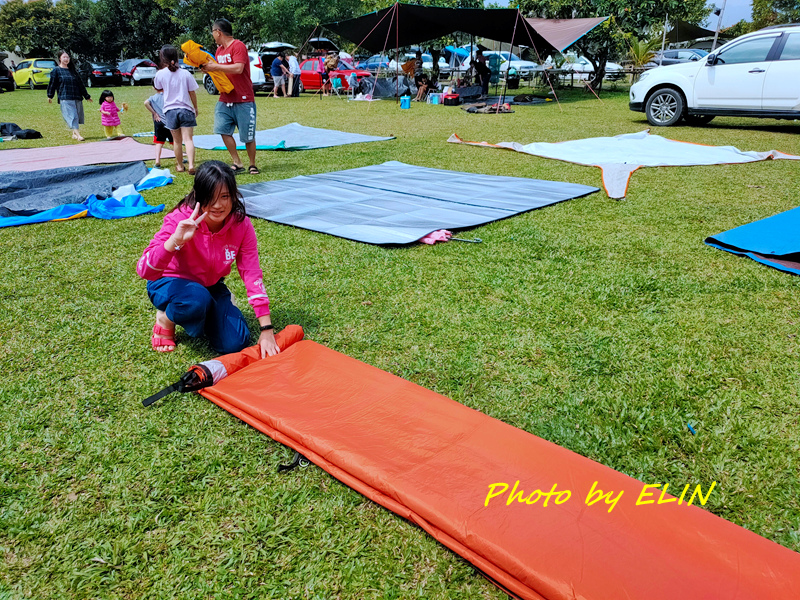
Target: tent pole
[(397, 53), (719, 24), (663, 40)]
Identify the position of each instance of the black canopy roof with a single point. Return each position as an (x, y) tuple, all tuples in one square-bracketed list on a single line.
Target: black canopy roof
[(685, 32), (405, 24)]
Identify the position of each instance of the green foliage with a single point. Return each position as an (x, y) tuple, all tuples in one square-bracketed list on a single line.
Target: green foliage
[(638, 17), (775, 12), (641, 52), (40, 27)]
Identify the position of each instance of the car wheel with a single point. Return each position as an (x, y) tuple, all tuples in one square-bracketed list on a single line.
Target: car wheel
[(133, 81), (698, 120), (31, 84), (208, 83), (664, 107), (89, 82), (300, 88)]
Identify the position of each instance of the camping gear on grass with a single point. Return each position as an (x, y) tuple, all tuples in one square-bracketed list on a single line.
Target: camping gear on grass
[(125, 150), (540, 521), (618, 157), (451, 100), (405, 102), (396, 203), (772, 241), (291, 137)]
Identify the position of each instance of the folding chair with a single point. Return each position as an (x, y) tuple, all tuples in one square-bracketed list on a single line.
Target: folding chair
[(337, 86)]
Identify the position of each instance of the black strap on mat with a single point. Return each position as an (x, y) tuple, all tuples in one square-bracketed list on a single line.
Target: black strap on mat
[(159, 395), (298, 460)]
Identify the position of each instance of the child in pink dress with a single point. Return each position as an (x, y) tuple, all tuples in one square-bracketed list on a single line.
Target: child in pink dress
[(110, 112)]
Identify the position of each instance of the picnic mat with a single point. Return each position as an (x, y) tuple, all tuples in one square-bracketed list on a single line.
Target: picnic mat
[(621, 155), (291, 137), (24, 193), (540, 521), (396, 203), (75, 155), (772, 241)]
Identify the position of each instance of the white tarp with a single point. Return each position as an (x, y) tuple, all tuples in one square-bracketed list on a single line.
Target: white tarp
[(621, 155)]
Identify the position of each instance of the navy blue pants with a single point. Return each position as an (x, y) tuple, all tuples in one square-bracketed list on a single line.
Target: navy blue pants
[(202, 311)]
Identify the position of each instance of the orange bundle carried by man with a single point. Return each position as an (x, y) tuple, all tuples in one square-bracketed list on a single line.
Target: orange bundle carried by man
[(195, 55)]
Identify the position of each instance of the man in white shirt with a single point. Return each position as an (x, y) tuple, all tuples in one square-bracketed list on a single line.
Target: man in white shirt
[(294, 75)]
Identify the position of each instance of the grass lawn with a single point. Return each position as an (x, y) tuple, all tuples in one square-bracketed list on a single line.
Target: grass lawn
[(603, 326)]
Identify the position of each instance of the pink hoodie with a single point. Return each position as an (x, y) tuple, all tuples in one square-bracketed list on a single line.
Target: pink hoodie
[(111, 120), (208, 257)]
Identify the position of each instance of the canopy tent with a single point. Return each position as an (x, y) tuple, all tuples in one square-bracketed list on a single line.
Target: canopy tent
[(686, 32), (562, 33), (402, 25)]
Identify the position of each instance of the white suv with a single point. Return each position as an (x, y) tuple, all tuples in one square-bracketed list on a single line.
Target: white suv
[(756, 75)]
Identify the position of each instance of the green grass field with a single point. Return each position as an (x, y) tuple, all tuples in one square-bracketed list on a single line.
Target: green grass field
[(603, 326)]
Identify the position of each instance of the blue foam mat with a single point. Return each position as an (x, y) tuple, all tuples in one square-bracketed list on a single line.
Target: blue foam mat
[(772, 241), (396, 203)]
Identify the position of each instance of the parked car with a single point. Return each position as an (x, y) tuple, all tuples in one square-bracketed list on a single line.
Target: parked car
[(138, 70), (99, 74), (259, 74), (311, 71), (427, 62), (755, 75), (674, 57), (185, 67), (583, 67), (6, 75), (34, 71), (374, 63)]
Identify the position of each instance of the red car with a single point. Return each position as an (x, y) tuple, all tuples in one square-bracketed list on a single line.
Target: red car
[(311, 71)]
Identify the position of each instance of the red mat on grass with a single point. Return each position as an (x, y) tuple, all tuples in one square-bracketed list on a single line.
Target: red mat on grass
[(432, 461), (75, 155)]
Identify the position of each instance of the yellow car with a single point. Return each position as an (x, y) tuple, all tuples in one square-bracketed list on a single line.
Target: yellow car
[(34, 71)]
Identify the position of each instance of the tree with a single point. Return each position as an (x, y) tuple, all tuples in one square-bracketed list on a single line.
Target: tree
[(638, 17), (775, 12), (40, 27), (131, 28)]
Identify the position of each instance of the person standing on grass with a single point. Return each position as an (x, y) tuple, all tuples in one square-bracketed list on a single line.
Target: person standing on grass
[(279, 72), (71, 92), (238, 107), (180, 104), (294, 75), (188, 259), (161, 135)]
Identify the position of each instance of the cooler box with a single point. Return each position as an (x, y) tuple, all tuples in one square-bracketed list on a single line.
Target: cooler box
[(451, 100)]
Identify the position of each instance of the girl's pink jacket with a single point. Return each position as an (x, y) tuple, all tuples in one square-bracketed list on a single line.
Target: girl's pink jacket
[(208, 257), (111, 120)]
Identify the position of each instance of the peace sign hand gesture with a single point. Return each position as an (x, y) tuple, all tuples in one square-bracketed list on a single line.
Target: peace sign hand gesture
[(186, 229)]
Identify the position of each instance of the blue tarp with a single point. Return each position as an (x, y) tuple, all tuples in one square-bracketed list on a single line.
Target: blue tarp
[(110, 208), (772, 241), (396, 203), (291, 137)]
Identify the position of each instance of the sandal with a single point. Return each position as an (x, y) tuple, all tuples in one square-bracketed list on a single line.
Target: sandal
[(253, 170), (180, 168), (158, 342), (157, 165), (191, 171), (237, 169)]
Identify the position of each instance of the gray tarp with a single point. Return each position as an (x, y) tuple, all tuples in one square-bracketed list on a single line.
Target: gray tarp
[(291, 137), (29, 192), (396, 203)]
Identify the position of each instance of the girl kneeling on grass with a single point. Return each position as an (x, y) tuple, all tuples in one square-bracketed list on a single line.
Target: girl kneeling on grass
[(188, 258)]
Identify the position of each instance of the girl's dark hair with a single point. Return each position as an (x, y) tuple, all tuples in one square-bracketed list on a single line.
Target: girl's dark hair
[(105, 94), (209, 176), (168, 57), (71, 65)]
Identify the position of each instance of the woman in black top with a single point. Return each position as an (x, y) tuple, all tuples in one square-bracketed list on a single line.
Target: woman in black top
[(71, 92)]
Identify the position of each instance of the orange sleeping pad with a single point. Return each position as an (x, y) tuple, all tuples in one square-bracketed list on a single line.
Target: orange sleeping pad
[(195, 55), (437, 463)]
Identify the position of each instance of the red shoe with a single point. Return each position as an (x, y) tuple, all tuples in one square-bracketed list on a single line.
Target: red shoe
[(159, 342)]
